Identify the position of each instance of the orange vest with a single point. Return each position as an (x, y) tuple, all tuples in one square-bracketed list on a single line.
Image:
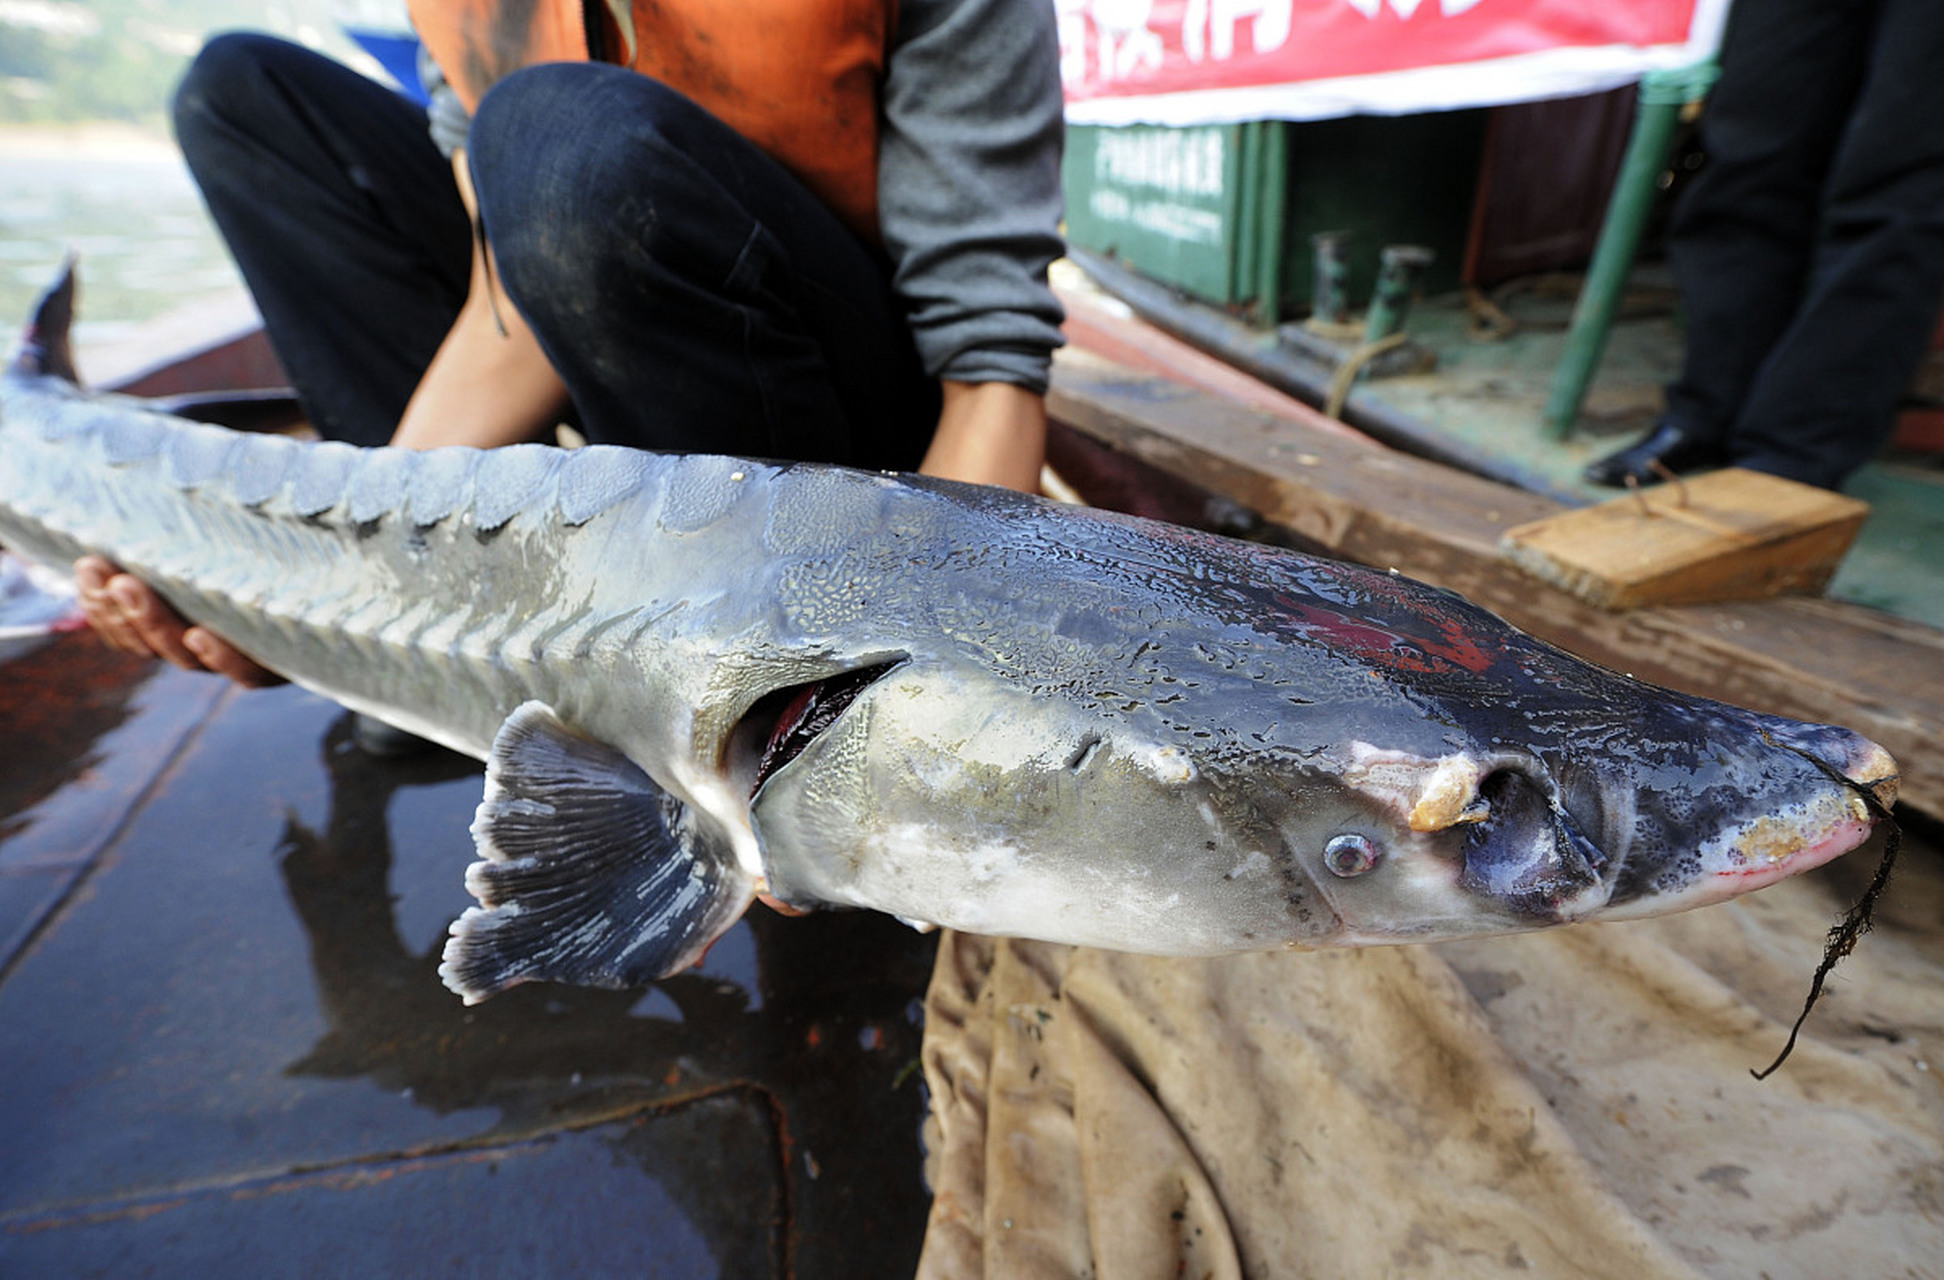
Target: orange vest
[(799, 78)]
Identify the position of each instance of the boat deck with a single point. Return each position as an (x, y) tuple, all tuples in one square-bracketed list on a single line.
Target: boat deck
[(1488, 396), (1480, 407), (226, 1048)]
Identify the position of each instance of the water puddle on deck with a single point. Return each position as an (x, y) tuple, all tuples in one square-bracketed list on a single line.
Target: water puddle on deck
[(226, 1043)]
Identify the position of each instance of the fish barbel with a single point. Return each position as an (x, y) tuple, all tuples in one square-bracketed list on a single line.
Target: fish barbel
[(696, 678)]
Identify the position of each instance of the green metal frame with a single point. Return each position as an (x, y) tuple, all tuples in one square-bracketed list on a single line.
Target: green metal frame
[(1663, 96), (1269, 153)]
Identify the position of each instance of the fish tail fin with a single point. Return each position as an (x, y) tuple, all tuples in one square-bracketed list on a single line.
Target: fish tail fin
[(46, 347), (590, 873)]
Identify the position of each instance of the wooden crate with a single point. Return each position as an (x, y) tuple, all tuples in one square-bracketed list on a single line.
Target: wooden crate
[(1727, 535)]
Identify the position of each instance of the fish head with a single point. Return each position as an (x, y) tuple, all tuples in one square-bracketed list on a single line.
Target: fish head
[(1506, 784), (1195, 746), (1630, 823), (945, 794)]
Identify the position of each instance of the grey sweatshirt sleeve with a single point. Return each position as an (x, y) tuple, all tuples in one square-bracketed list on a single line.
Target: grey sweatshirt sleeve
[(969, 184)]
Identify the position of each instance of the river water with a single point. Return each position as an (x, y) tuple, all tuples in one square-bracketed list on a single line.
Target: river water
[(125, 203)]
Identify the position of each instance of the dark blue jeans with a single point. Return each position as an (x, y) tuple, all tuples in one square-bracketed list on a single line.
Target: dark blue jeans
[(342, 216), (1810, 251), (692, 294)]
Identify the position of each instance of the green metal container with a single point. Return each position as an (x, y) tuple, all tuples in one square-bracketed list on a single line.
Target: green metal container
[(1192, 208), (1225, 213)]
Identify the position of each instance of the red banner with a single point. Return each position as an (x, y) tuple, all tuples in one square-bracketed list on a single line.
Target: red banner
[(1203, 61)]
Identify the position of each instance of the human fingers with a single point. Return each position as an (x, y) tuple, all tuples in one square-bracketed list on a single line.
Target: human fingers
[(225, 659), (130, 616), (157, 628), (169, 637), (102, 609)]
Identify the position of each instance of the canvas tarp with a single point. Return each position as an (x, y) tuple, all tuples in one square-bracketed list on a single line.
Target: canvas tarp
[(1576, 1102)]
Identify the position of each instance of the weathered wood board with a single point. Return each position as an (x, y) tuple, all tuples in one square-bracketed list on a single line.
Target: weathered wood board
[(1808, 658), (1727, 535)]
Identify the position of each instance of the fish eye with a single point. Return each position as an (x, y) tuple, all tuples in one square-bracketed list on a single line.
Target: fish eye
[(1351, 854)]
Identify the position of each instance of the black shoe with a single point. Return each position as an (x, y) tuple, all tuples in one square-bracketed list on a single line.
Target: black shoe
[(1675, 450)]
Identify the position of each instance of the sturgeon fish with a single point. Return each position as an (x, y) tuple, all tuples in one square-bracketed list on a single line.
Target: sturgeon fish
[(696, 678)]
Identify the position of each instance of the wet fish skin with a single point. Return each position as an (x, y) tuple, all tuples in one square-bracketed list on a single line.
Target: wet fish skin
[(1072, 725)]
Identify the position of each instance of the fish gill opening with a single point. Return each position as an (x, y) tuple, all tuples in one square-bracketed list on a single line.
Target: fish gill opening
[(782, 724), (1526, 843)]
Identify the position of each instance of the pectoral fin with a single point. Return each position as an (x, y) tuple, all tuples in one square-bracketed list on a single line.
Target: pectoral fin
[(590, 873)]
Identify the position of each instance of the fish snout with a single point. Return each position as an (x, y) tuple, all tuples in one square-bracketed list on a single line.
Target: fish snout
[(1844, 753), (1762, 799)]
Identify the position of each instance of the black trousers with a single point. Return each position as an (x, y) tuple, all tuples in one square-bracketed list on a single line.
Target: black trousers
[(691, 293), (1810, 250)]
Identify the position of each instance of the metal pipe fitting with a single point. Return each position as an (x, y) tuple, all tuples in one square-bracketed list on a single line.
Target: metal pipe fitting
[(1400, 272)]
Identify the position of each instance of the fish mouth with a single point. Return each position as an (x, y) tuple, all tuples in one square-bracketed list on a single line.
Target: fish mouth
[(1801, 855), (1760, 854), (1868, 775), (788, 720), (1818, 829)]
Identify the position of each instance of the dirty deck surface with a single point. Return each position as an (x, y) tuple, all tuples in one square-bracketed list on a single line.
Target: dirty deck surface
[(1482, 403), (1490, 396), (226, 1050)]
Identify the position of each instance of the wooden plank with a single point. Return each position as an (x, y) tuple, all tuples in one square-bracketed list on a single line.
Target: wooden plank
[(1727, 535), (1106, 326), (214, 344), (1807, 658)]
